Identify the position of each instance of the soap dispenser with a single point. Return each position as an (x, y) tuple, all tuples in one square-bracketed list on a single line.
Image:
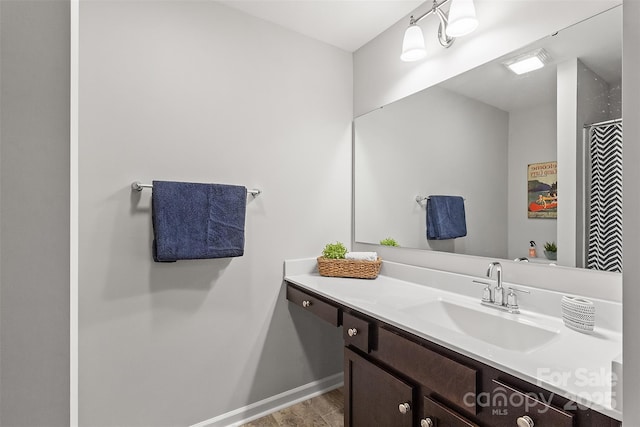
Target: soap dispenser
[(532, 249)]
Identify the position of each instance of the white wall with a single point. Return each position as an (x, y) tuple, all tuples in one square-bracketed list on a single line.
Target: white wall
[(532, 139), (195, 91), (34, 212), (380, 78), (418, 147), (567, 102), (631, 274)]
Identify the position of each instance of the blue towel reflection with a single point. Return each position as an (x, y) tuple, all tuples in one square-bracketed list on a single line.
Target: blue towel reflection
[(445, 218)]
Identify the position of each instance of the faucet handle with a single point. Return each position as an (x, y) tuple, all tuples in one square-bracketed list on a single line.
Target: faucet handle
[(512, 298), (486, 293)]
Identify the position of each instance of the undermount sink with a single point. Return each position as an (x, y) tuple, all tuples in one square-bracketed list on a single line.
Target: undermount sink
[(496, 329)]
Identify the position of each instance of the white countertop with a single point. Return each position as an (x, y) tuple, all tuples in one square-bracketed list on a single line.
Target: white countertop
[(574, 365)]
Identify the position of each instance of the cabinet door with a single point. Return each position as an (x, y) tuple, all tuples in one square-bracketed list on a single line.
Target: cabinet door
[(374, 397)]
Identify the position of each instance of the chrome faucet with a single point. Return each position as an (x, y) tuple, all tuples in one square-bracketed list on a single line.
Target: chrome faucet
[(496, 297), (498, 292)]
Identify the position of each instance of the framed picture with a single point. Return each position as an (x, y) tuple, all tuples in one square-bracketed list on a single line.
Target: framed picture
[(542, 190)]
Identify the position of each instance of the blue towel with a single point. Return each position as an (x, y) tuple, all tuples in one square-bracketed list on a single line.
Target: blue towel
[(445, 217), (197, 221)]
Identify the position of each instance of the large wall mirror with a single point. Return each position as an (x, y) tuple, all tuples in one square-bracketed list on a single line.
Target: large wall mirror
[(477, 134)]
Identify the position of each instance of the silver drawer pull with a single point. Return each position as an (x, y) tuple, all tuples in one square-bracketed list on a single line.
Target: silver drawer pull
[(352, 332), (525, 421), (306, 303), (404, 408), (426, 422)]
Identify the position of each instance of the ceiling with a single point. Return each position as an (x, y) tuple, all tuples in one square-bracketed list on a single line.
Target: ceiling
[(347, 24)]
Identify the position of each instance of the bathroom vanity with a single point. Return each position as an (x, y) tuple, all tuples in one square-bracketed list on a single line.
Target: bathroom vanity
[(424, 352)]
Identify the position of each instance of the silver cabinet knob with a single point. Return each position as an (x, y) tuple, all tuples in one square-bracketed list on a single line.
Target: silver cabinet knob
[(404, 408), (352, 332), (525, 421), (306, 303), (426, 422)]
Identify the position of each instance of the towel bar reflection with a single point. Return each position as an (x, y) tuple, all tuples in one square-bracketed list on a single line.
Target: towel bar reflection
[(138, 186), (420, 199)]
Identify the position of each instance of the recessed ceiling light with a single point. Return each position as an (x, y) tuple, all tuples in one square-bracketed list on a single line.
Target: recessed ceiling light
[(527, 62)]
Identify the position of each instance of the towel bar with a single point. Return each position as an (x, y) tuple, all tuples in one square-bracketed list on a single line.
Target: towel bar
[(420, 199), (138, 186)]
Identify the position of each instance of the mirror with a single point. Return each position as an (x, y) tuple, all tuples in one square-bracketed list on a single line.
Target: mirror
[(475, 136)]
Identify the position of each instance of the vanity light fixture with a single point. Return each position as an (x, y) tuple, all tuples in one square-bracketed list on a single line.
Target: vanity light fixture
[(462, 18), (527, 62), (460, 22)]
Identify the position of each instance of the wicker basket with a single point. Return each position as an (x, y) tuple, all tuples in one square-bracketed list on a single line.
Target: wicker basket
[(359, 269)]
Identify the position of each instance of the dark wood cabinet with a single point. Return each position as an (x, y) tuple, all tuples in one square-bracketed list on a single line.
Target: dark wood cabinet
[(453, 381), (356, 332), (323, 309), (435, 414), (373, 396), (396, 379), (512, 404)]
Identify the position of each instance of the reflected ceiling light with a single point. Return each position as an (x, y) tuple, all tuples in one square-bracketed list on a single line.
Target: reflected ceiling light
[(527, 62), (461, 21)]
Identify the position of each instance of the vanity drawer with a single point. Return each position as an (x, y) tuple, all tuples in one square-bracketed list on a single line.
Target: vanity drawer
[(356, 332), (510, 402), (441, 416), (316, 306), (447, 378)]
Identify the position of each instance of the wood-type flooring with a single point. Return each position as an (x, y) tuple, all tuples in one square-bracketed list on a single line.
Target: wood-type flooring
[(326, 410)]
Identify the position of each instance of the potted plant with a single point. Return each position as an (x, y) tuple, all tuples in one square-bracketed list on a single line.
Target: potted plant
[(551, 251), (335, 250), (389, 242)]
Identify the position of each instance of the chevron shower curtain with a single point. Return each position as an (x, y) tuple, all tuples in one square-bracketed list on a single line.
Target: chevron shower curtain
[(604, 231)]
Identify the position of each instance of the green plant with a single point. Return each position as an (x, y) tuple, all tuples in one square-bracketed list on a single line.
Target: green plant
[(550, 247), (334, 251), (389, 242)]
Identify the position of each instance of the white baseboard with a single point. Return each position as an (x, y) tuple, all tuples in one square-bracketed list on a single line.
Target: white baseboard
[(274, 403)]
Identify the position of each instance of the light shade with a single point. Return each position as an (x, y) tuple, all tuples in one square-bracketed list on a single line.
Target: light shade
[(462, 18), (413, 44)]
